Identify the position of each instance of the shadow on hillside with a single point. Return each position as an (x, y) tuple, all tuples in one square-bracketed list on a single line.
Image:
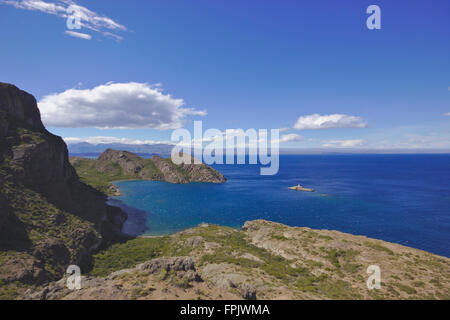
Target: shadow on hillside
[(13, 233)]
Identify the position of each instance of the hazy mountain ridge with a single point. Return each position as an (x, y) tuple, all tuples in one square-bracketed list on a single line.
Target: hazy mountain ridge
[(84, 148)]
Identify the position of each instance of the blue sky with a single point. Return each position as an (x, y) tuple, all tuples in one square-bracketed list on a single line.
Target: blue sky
[(238, 64)]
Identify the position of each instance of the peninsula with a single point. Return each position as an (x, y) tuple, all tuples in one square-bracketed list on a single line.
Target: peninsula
[(113, 165)]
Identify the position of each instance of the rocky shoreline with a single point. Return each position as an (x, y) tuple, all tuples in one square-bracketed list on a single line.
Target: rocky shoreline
[(114, 191), (136, 223)]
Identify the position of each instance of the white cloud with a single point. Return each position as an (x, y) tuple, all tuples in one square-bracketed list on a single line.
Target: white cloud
[(241, 138), (46, 7), (290, 137), (447, 114), (106, 140), (79, 35), (342, 143), (88, 19), (115, 105), (231, 134), (430, 140), (317, 121)]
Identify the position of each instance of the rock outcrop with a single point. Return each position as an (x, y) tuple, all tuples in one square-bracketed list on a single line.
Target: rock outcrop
[(20, 105), (48, 218), (155, 276)]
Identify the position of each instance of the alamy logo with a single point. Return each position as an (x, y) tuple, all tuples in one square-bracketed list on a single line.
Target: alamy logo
[(374, 20), (374, 281), (232, 146), (73, 17), (74, 280)]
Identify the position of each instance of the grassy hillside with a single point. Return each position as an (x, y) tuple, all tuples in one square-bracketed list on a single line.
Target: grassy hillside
[(40, 239), (292, 263), (88, 173)]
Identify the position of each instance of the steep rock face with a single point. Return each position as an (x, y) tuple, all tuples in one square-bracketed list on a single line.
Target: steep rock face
[(19, 104), (202, 173), (48, 218), (187, 172), (171, 173), (42, 163)]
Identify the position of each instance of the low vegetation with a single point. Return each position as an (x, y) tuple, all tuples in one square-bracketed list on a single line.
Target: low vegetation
[(280, 266), (88, 173)]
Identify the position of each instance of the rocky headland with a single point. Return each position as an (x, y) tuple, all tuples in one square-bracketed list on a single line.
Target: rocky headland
[(113, 165)]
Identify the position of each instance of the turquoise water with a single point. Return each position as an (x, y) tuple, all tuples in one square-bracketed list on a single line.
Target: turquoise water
[(398, 198)]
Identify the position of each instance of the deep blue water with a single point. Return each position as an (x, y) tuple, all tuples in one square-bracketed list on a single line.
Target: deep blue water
[(399, 198)]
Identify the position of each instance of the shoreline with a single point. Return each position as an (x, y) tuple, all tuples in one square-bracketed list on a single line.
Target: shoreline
[(135, 224), (134, 219), (137, 213)]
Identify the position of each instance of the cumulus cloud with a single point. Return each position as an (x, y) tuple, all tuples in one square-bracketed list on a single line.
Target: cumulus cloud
[(343, 143), (290, 137), (115, 105), (88, 19), (79, 35), (106, 140), (317, 121)]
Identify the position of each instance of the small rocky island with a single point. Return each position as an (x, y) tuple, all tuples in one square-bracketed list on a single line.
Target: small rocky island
[(113, 165)]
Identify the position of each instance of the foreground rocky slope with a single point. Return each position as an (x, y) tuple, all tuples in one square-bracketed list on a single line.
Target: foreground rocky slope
[(264, 260), (48, 218), (122, 165)]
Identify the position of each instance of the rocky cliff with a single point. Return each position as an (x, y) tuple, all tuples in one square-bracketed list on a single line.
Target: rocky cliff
[(48, 218)]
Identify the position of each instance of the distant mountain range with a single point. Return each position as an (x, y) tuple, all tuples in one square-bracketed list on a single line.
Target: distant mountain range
[(88, 149)]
